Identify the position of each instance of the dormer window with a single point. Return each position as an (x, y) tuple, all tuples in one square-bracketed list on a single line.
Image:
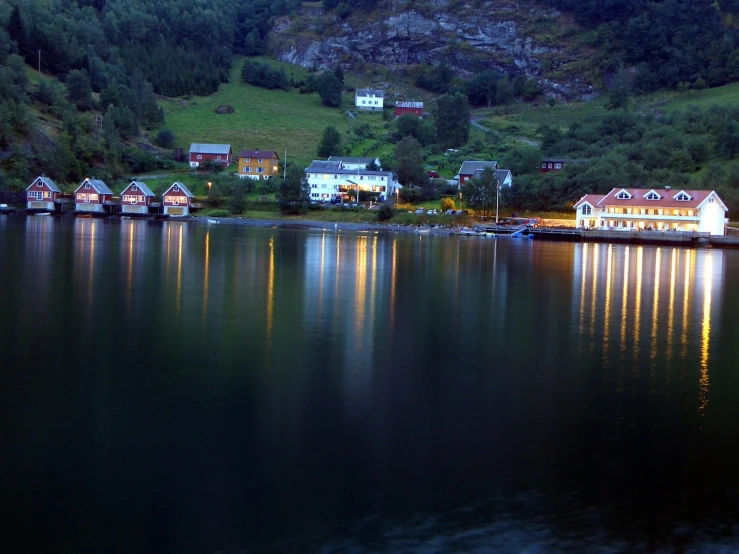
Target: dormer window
[(623, 195), (651, 195), (682, 197)]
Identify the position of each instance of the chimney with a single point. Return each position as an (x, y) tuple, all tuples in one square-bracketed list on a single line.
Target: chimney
[(667, 187)]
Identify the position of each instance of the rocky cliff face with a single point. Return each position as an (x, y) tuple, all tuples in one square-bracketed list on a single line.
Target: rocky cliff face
[(515, 37)]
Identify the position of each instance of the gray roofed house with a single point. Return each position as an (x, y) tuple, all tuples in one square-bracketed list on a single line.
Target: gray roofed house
[(46, 181), (201, 148), (141, 186), (469, 167), (99, 186), (369, 99), (182, 188), (505, 178)]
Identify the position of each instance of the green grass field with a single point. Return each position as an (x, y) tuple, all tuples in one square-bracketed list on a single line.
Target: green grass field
[(264, 119)]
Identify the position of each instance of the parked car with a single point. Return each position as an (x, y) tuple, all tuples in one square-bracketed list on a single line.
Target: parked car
[(419, 211), (450, 212), (433, 174), (431, 212)]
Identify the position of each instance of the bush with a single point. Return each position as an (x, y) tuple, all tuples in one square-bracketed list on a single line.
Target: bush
[(385, 212), (268, 187), (164, 139), (446, 204)]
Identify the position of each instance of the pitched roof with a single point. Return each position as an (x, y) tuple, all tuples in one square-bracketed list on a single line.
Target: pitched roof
[(99, 186), (258, 154), (666, 200), (591, 199), (325, 164), (501, 174), (48, 182), (142, 187), (351, 160), (469, 167), (349, 171), (183, 188), (415, 105), (197, 148), (370, 92)]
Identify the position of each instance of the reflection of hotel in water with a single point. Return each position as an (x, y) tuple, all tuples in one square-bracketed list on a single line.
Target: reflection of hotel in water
[(649, 307), (364, 264)]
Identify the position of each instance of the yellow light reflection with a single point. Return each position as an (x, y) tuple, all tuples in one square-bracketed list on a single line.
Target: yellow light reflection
[(637, 310), (206, 277), (686, 302), (625, 302), (607, 314), (320, 281), (129, 276), (655, 312), (270, 292), (671, 305), (703, 383), (583, 279), (393, 277), (373, 281), (595, 291), (360, 289)]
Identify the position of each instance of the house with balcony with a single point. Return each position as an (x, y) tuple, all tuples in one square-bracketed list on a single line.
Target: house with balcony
[(331, 182), (258, 164), (665, 209)]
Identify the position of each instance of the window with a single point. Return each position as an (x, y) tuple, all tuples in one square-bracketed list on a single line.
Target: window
[(682, 197), (247, 170), (549, 166), (544, 166), (325, 176), (259, 160), (651, 195), (623, 195), (87, 186), (260, 170), (134, 188), (557, 166), (200, 157), (218, 157), (710, 200), (248, 160), (586, 209), (176, 189)]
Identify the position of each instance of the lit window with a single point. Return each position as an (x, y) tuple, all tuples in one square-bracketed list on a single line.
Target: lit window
[(200, 157), (218, 157)]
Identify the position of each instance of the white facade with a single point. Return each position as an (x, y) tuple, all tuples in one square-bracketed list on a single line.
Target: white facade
[(369, 99), (328, 185), (700, 211)]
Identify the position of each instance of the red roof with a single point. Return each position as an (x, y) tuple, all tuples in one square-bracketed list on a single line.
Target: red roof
[(638, 197)]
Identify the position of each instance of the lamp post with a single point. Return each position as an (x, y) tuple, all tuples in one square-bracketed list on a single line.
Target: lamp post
[(209, 186), (497, 196), (397, 196)]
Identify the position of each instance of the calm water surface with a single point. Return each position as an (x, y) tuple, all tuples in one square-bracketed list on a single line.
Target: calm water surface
[(177, 388)]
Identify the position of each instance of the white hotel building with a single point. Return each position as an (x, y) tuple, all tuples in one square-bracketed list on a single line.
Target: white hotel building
[(330, 181)]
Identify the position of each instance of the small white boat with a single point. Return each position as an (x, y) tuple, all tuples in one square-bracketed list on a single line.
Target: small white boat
[(423, 230), (212, 221), (44, 213), (125, 217)]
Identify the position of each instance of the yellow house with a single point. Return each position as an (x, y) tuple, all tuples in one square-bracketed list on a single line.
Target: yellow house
[(258, 164)]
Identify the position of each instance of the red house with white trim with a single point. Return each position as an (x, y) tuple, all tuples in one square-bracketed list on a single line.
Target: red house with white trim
[(42, 194), (468, 169), (414, 108), (218, 153), (136, 198), (177, 200), (92, 196)]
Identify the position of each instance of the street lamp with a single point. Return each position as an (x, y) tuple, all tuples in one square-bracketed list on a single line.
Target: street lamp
[(497, 196), (397, 195), (209, 185)]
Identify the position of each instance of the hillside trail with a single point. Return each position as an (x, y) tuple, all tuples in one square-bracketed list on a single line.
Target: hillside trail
[(474, 121)]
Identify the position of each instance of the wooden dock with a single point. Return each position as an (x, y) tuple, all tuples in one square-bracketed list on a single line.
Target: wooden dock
[(666, 238)]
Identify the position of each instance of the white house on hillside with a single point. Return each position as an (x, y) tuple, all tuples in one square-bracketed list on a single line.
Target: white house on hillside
[(655, 209), (329, 181), (369, 99)]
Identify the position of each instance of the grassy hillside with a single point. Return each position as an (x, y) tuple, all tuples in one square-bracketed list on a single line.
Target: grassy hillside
[(264, 119)]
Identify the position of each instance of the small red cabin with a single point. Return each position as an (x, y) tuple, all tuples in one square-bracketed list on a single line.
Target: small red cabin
[(42, 194), (218, 153), (136, 198), (415, 108), (92, 195), (177, 200)]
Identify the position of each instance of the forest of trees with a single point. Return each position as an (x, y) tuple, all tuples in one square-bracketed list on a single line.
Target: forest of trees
[(669, 41)]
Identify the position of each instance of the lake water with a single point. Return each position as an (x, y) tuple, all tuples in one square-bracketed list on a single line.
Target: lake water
[(179, 388)]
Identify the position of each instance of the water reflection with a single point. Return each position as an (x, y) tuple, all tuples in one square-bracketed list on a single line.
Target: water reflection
[(697, 274)]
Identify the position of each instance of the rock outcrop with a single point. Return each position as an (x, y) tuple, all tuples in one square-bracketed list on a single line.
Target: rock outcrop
[(510, 37)]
